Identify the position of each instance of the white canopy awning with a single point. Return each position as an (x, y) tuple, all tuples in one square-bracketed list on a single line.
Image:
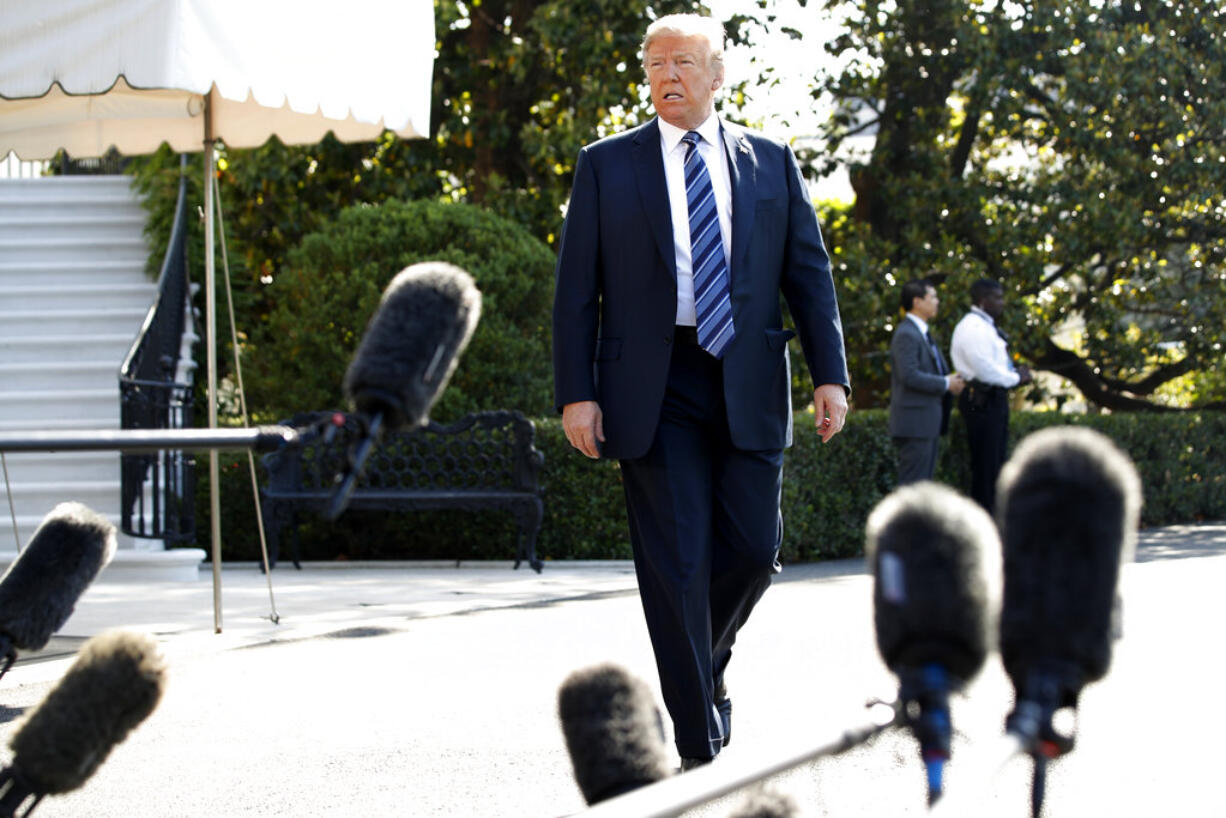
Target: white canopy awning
[(87, 75)]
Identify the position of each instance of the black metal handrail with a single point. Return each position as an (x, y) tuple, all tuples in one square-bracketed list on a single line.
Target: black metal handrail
[(157, 489), (110, 163)]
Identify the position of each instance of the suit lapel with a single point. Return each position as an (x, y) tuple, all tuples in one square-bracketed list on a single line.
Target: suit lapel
[(742, 164), (934, 353), (653, 190)]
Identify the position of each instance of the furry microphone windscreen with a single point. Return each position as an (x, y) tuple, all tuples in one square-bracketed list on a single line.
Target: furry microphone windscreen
[(114, 684), (41, 588), (413, 342), (934, 556), (1068, 506), (613, 732), (765, 802)]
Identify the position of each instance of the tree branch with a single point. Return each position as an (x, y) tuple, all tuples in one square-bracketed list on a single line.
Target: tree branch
[(1105, 392), (966, 139)]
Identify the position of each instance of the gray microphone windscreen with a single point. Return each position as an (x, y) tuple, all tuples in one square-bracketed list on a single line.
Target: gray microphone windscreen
[(41, 588), (934, 556), (613, 732), (413, 342), (765, 802), (1068, 506), (114, 684)]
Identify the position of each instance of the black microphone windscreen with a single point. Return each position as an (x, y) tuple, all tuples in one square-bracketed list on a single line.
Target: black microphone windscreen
[(114, 684), (613, 732), (412, 343), (1068, 507), (42, 586), (934, 556)]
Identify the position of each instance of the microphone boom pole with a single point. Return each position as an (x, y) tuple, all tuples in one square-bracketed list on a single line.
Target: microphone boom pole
[(673, 796), (260, 439)]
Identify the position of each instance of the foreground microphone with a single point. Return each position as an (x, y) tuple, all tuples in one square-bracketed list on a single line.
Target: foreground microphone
[(930, 551), (765, 802), (1068, 507), (412, 345), (613, 732), (116, 681), (42, 586)]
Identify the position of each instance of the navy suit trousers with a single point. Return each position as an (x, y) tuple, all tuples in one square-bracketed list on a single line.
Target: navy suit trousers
[(706, 530)]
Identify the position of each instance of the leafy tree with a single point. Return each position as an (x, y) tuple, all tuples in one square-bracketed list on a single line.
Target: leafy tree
[(1073, 150)]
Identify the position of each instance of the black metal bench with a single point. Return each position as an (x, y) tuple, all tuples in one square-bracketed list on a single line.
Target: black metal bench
[(483, 461)]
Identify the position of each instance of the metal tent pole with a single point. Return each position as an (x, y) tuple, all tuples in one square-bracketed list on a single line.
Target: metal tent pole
[(210, 336)]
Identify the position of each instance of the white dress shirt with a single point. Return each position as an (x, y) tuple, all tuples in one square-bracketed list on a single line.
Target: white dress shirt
[(979, 353), (711, 148)]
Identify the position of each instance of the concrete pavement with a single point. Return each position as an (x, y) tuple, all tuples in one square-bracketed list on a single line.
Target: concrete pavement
[(430, 690)]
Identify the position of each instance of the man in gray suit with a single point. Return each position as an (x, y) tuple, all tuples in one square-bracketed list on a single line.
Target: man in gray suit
[(921, 385)]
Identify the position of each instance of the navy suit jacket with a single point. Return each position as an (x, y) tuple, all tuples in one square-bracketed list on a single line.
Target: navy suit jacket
[(615, 299), (918, 407)]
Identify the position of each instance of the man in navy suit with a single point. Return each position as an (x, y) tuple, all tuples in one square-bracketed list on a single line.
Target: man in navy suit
[(670, 356), (921, 385)]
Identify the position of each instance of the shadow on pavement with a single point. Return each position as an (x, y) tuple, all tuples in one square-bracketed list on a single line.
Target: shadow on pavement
[(1181, 542)]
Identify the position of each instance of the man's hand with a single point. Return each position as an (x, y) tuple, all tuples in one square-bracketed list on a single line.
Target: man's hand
[(956, 383), (830, 409), (583, 423)]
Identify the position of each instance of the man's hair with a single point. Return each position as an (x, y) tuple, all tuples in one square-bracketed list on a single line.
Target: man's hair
[(913, 290), (983, 287), (688, 25)]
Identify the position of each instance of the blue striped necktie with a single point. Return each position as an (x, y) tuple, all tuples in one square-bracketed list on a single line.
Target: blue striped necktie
[(711, 299)]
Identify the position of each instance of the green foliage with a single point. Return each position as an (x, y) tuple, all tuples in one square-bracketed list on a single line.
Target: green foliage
[(828, 492), (1005, 147), (275, 195), (522, 85), (868, 302), (829, 488), (334, 280), (156, 179), (585, 507), (1178, 456)]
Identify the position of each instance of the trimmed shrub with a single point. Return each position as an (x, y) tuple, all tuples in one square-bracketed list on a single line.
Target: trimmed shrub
[(1179, 456), (334, 281)]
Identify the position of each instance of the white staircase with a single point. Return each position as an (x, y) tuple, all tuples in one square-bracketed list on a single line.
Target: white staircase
[(73, 294)]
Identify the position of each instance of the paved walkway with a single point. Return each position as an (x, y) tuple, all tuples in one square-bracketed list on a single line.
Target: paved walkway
[(329, 596)]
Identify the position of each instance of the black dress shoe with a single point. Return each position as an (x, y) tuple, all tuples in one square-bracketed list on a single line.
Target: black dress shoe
[(688, 764)]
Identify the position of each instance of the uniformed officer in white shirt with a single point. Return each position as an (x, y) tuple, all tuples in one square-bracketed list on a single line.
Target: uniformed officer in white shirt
[(980, 353)]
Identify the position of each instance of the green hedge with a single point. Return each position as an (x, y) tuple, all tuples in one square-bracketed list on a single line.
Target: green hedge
[(1179, 456), (828, 493), (336, 276)]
